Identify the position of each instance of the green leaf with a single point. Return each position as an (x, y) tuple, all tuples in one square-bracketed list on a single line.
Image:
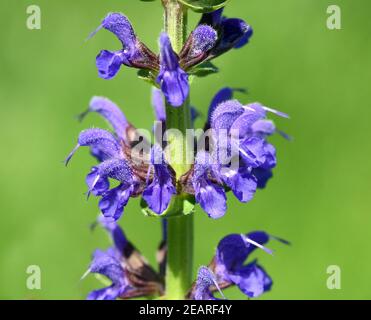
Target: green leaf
[(203, 70), (204, 5), (179, 205)]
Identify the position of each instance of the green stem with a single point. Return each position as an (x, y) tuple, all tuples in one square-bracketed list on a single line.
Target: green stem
[(180, 229), (176, 23), (179, 257)]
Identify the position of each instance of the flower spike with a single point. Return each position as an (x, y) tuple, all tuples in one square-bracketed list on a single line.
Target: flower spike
[(233, 154)]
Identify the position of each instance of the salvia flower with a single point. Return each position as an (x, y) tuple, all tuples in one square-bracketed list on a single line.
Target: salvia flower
[(172, 79), (169, 69), (125, 267), (205, 280), (232, 32), (232, 252), (203, 39), (111, 112), (239, 158), (198, 46), (113, 166), (159, 192), (107, 264), (133, 54), (131, 275), (209, 193), (113, 151), (228, 268)]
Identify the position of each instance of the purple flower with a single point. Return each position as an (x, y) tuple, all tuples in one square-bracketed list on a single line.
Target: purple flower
[(107, 148), (262, 176), (172, 78), (205, 280), (209, 194), (222, 95), (233, 33), (113, 201), (159, 192), (225, 114), (102, 143), (253, 129), (97, 185), (203, 40), (118, 162), (107, 264), (241, 181), (109, 63), (238, 155), (133, 54), (232, 252), (249, 129), (123, 264), (158, 105), (117, 169), (228, 267), (111, 112), (198, 46)]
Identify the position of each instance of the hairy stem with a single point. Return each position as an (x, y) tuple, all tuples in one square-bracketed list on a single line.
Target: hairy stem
[(180, 229), (176, 23)]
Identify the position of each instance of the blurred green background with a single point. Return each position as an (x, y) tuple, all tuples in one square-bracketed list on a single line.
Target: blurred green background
[(319, 198)]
